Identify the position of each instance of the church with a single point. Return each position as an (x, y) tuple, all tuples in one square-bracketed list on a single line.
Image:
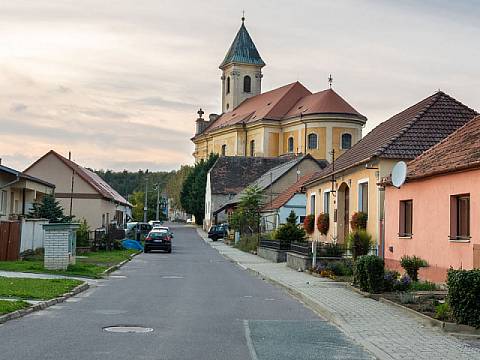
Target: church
[(287, 120)]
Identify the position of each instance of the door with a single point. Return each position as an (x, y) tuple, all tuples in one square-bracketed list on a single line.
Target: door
[(346, 220), (9, 240)]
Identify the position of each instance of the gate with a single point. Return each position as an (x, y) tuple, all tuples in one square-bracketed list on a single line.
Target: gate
[(9, 240)]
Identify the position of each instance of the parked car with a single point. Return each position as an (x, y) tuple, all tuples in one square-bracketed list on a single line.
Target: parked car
[(218, 232), (155, 223), (135, 229), (158, 240), (166, 228)]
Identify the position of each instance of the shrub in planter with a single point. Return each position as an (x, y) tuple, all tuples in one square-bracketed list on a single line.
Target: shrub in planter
[(370, 271), (464, 295), (360, 242), (323, 223), (411, 264), (309, 224), (359, 221)]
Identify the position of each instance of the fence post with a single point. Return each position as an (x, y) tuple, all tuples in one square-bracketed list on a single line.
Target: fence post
[(314, 254)]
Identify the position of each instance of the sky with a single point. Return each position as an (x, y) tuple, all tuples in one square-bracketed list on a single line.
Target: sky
[(118, 82)]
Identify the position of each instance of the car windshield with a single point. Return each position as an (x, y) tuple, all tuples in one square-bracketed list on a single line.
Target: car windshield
[(158, 234), (130, 226)]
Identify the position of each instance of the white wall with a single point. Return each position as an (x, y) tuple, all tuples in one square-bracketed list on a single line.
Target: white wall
[(32, 234)]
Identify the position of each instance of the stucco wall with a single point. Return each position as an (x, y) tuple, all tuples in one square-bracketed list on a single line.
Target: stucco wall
[(431, 223)]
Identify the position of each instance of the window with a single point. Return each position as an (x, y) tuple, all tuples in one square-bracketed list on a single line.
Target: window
[(290, 144), (460, 217), (312, 141), (252, 148), (224, 149), (363, 197), (227, 91), (326, 202), (3, 202), (312, 204), (406, 218), (247, 84), (346, 141)]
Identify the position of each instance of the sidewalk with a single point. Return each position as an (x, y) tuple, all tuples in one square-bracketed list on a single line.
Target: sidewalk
[(382, 329)]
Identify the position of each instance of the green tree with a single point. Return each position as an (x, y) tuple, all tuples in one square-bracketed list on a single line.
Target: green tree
[(290, 231), (246, 218), (137, 199), (49, 208), (192, 195), (174, 186)]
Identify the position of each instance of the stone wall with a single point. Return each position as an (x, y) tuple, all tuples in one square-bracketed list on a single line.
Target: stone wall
[(296, 261), (272, 254)]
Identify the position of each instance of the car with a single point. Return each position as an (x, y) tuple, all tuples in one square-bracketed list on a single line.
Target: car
[(161, 227), (155, 223), (218, 232), (158, 240), (189, 221), (134, 230)]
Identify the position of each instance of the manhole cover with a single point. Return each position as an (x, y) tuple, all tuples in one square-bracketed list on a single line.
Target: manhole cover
[(128, 329)]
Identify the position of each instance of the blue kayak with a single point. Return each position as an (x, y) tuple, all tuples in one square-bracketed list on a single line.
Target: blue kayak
[(132, 244)]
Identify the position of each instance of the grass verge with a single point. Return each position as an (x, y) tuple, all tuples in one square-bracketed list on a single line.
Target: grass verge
[(35, 289), (11, 306), (92, 265)]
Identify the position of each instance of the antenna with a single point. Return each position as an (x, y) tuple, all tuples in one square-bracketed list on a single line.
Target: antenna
[(399, 174)]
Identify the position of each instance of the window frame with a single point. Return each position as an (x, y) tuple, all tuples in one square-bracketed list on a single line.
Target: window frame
[(456, 217), (227, 90), (290, 150), (313, 203), (3, 202), (247, 89), (341, 141), (326, 202), (252, 148), (360, 205), (403, 217), (312, 136), (223, 150)]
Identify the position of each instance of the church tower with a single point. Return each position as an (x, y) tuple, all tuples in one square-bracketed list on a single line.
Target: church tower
[(241, 71)]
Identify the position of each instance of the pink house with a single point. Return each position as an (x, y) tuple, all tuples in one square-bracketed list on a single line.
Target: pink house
[(434, 214)]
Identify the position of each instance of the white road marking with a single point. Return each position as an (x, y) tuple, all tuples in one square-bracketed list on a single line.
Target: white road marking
[(172, 277)]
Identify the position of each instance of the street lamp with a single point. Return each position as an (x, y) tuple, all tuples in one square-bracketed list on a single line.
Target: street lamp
[(145, 205)]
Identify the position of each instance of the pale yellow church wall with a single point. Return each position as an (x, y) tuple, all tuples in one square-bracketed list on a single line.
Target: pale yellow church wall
[(258, 136), (337, 133), (320, 151), (296, 145), (228, 139), (273, 144)]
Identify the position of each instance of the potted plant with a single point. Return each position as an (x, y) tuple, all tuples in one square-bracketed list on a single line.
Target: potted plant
[(323, 223), (309, 224)]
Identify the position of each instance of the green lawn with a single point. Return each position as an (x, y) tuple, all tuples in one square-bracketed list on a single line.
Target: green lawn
[(92, 266), (35, 289), (11, 306)]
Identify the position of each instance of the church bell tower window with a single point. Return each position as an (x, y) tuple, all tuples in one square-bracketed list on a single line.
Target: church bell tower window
[(228, 85), (247, 84)]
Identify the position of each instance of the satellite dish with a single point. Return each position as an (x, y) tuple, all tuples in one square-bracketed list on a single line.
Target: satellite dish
[(399, 173)]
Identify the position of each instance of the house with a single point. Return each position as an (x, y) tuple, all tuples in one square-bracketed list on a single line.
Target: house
[(287, 120), (434, 214), (275, 213), (349, 184), (278, 179), (19, 191), (81, 192), (228, 177)]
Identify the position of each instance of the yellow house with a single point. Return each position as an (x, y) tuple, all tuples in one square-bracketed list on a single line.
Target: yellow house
[(286, 120), (349, 184)]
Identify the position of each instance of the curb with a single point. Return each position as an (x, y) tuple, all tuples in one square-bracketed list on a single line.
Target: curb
[(119, 265), (44, 304)]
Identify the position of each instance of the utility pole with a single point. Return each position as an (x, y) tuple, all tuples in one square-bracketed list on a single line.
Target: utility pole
[(145, 205), (157, 186)]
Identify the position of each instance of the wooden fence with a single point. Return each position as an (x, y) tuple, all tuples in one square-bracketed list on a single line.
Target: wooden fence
[(9, 240)]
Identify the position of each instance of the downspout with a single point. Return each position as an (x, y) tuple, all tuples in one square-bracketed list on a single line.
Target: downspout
[(305, 135), (245, 147)]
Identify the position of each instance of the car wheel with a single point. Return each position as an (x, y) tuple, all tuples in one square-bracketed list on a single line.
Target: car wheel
[(145, 250), (169, 251)]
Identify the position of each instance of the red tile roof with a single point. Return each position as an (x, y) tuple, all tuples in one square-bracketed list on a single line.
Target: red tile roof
[(407, 134), (282, 103), (459, 151), (90, 177), (284, 197)]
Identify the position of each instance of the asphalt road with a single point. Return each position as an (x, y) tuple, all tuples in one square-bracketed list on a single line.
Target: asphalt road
[(199, 305)]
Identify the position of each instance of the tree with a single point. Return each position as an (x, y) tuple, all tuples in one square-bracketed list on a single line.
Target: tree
[(290, 231), (192, 195), (174, 186), (49, 208), (138, 201), (247, 215)]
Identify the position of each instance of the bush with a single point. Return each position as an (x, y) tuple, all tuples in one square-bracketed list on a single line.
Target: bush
[(330, 250), (423, 286), (340, 268), (442, 311), (464, 295), (323, 223), (370, 272), (360, 242), (403, 284), (83, 231), (290, 231), (247, 243), (359, 221), (309, 224), (411, 264), (389, 280)]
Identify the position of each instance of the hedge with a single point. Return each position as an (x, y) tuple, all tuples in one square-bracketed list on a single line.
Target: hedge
[(464, 296)]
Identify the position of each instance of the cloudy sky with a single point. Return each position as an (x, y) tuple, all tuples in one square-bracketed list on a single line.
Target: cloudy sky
[(118, 82)]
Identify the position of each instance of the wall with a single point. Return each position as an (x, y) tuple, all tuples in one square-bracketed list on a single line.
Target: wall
[(32, 234), (431, 223)]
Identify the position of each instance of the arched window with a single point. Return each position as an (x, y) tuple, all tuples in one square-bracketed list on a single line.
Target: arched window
[(346, 141), (290, 144), (312, 141), (252, 148), (224, 149), (247, 84), (228, 85)]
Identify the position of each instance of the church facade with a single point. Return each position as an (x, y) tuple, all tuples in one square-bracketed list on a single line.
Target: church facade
[(286, 120)]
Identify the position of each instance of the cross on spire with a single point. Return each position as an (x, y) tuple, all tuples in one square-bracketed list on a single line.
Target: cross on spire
[(330, 80)]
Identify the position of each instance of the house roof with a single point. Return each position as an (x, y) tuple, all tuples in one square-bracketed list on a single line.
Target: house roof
[(285, 196), (282, 103), (231, 174), (242, 50), (24, 176), (459, 151), (90, 177), (407, 134)]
